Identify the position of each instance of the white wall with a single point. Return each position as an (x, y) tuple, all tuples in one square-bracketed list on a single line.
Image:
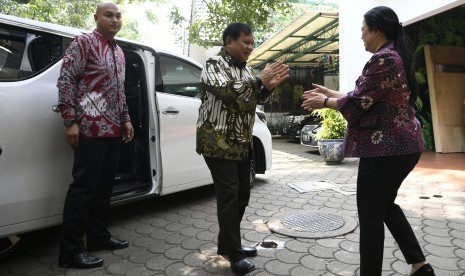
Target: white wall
[(352, 54), (410, 11)]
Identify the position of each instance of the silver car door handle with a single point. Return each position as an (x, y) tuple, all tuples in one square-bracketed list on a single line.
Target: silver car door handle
[(55, 108), (170, 111)]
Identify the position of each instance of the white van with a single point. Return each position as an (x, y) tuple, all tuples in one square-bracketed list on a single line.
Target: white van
[(35, 160)]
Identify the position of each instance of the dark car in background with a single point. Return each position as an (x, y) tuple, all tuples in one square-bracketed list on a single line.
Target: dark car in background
[(294, 122)]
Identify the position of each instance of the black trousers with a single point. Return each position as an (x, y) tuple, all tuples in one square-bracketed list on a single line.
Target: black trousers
[(88, 199), (232, 188), (378, 181)]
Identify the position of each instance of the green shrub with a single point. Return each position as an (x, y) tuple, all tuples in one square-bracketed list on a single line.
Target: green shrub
[(333, 124)]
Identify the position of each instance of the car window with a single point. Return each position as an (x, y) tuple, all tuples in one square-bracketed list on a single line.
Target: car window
[(23, 53), (179, 76), (12, 46)]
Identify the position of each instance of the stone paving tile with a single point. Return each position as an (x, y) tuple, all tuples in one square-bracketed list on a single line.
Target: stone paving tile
[(289, 257), (460, 253), (299, 271), (158, 246), (350, 246), (40, 271), (442, 251), (438, 232), (341, 269), (444, 262), (158, 262), (175, 239), (441, 241), (141, 256), (276, 267), (120, 266), (322, 252), (299, 246), (461, 264), (347, 257), (314, 263), (177, 234), (180, 269), (141, 270)]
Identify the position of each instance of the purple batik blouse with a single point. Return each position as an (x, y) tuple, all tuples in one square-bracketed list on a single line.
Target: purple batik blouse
[(381, 121)]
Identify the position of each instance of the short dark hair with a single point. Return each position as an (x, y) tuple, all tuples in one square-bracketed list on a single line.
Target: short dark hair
[(234, 31)]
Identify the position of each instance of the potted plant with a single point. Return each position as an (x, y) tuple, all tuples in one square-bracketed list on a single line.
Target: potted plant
[(331, 135)]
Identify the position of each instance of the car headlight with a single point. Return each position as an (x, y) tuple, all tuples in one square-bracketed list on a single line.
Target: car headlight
[(262, 117)]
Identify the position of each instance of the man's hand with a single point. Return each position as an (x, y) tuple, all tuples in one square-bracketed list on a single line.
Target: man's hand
[(128, 132), (273, 74), (72, 135)]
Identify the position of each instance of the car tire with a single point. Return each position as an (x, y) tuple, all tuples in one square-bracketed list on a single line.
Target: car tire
[(8, 246)]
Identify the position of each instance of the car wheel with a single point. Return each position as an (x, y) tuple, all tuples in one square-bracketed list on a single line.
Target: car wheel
[(8, 246), (252, 171)]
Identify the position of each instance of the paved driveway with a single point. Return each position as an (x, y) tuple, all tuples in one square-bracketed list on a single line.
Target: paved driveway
[(176, 234)]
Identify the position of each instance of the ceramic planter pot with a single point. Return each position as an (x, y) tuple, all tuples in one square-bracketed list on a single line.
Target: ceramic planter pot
[(332, 150)]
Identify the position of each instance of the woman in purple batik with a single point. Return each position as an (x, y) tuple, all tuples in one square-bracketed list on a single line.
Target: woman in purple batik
[(383, 131)]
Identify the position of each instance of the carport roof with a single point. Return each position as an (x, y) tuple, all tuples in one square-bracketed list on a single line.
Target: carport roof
[(302, 43)]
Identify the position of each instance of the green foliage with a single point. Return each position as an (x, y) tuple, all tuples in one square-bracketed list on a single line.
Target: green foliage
[(130, 30), (333, 124), (207, 31), (8, 6), (68, 13), (427, 132), (180, 26), (151, 16), (77, 14)]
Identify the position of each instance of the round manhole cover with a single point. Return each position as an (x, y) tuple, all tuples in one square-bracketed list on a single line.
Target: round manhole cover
[(310, 224), (313, 222)]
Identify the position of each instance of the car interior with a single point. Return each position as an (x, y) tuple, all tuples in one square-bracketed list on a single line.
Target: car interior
[(133, 174)]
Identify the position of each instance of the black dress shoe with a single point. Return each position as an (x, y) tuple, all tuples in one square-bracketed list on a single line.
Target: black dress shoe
[(249, 251), (425, 270), (80, 260), (242, 267), (110, 244)]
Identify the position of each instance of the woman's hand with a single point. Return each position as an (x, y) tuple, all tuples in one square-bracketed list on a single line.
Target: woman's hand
[(313, 100), (326, 91)]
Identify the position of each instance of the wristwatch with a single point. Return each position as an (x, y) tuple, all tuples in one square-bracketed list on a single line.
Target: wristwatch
[(69, 122)]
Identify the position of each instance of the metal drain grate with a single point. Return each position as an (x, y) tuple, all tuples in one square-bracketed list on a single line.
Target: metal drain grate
[(313, 222)]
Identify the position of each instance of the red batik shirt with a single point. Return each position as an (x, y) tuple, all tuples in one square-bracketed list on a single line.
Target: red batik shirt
[(91, 86)]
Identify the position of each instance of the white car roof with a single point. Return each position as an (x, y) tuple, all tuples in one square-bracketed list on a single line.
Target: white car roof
[(72, 32)]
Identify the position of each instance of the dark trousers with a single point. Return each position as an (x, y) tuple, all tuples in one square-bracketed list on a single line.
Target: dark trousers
[(232, 188), (88, 199), (378, 181)]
